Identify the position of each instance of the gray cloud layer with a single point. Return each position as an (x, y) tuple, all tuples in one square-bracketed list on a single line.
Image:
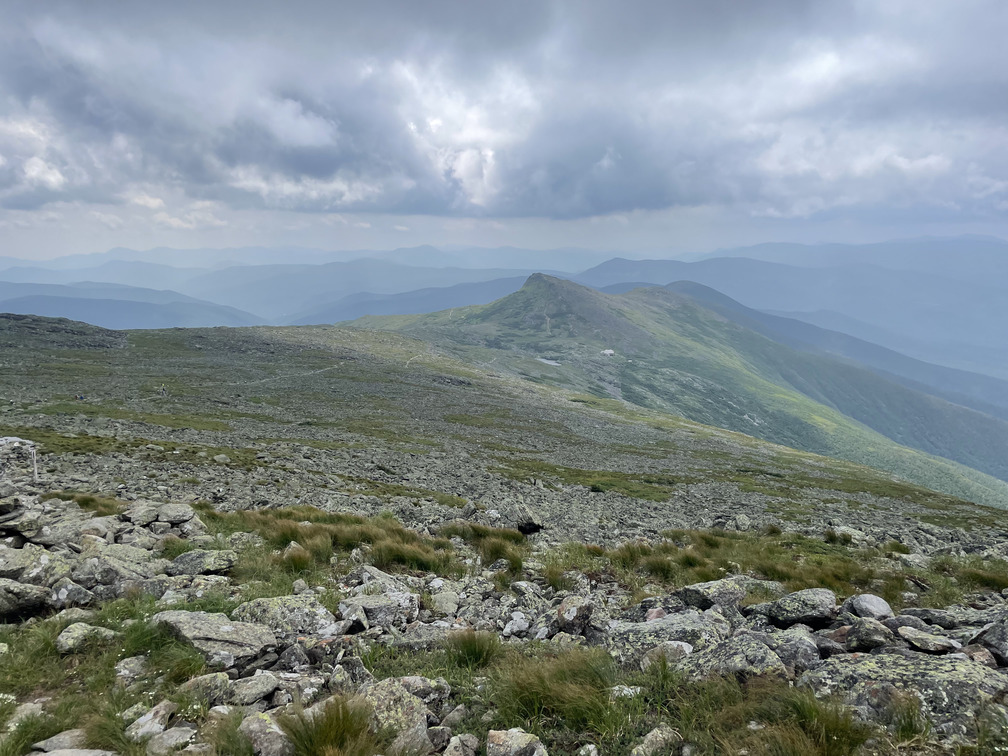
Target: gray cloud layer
[(558, 110)]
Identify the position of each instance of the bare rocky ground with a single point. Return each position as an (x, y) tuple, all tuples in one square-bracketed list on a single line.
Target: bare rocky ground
[(367, 424)]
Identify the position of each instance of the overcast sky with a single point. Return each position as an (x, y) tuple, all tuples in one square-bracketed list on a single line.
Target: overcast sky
[(625, 126)]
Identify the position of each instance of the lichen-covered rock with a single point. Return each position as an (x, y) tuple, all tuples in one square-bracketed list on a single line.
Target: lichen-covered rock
[(65, 593), (574, 614), (210, 689), (248, 690), (928, 642), (462, 745), (222, 641), (669, 652), (433, 693), (151, 723), (19, 601), (661, 740), (287, 616), (175, 513), (399, 710), (169, 741), (33, 564), (866, 633), (203, 562), (266, 736), (867, 605), (445, 603), (812, 606), (393, 609), (74, 637), (745, 655), (994, 637), (629, 641), (727, 591), (514, 742), (951, 690)]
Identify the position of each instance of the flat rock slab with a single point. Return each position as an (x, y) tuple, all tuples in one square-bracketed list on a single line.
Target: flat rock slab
[(203, 562), (287, 615), (929, 642), (80, 634), (221, 640), (629, 641), (64, 741), (951, 690)]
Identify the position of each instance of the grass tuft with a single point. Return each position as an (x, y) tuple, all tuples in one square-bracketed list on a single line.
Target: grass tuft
[(472, 649), (340, 728)]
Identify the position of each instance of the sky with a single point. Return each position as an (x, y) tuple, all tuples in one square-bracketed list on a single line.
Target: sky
[(673, 125)]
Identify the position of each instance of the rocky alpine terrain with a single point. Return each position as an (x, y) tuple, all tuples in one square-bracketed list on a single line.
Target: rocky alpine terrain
[(312, 528)]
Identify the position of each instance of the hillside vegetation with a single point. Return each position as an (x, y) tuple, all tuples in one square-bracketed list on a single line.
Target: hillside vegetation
[(674, 354)]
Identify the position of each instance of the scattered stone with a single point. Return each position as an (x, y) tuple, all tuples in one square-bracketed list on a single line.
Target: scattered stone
[(202, 562), (727, 591), (287, 616), (222, 641), (396, 708), (266, 736), (169, 741), (151, 723), (76, 636), (462, 745), (248, 690), (928, 642), (661, 740), (867, 605), (210, 689), (813, 606), (514, 742), (866, 634), (742, 656), (952, 691), (19, 601), (66, 740)]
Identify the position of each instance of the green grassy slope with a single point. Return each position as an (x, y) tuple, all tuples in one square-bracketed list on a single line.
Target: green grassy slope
[(674, 355)]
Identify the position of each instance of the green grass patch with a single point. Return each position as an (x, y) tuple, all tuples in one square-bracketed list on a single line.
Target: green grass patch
[(101, 506), (321, 535), (652, 487), (340, 728)]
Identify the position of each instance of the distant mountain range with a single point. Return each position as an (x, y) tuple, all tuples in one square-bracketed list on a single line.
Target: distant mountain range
[(718, 363), (940, 301)]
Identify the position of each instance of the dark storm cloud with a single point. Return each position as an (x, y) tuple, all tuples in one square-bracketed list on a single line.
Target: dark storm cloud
[(561, 110)]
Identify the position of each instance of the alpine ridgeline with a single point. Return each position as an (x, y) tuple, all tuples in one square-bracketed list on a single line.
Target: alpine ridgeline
[(671, 352)]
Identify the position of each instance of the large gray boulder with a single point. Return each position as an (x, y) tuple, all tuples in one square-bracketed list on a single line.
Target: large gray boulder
[(74, 637), (867, 605), (951, 691), (203, 562), (629, 641), (266, 736), (395, 708), (994, 637), (286, 615), (222, 641), (514, 742), (33, 564), (20, 601), (742, 656), (727, 591), (389, 610), (812, 606)]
